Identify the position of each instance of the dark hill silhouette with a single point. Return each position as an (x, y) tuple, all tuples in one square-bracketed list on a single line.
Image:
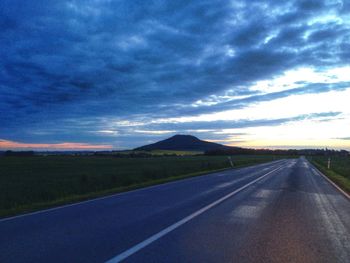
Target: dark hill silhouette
[(182, 143)]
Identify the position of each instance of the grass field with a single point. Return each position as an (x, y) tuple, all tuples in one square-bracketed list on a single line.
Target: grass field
[(164, 152), (339, 171), (32, 183)]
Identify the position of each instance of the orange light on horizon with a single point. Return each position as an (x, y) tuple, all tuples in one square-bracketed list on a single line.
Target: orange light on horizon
[(280, 143), (5, 144)]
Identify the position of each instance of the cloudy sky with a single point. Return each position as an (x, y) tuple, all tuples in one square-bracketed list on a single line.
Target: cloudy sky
[(116, 74)]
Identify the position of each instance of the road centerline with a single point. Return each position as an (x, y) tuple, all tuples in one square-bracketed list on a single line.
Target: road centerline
[(120, 257)]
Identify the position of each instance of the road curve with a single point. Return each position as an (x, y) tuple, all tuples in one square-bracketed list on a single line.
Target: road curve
[(283, 211)]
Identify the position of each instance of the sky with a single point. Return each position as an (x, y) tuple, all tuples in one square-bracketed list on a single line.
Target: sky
[(104, 74)]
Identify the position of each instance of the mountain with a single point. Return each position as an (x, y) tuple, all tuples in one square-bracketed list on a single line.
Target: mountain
[(182, 143)]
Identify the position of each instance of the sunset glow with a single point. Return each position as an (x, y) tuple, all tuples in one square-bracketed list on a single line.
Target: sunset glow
[(53, 146)]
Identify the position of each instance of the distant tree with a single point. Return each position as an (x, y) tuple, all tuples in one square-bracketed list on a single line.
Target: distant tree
[(19, 153)]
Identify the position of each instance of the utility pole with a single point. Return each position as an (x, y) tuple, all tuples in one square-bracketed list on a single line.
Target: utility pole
[(230, 160), (329, 163)]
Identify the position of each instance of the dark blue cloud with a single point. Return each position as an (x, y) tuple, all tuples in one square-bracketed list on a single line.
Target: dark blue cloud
[(137, 134), (67, 61), (231, 124)]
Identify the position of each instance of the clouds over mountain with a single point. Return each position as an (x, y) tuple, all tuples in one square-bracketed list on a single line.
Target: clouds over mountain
[(75, 60)]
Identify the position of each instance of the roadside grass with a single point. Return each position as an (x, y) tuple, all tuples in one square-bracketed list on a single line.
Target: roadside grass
[(339, 171), (32, 183)]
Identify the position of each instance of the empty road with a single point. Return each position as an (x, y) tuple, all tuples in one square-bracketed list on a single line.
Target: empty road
[(283, 211)]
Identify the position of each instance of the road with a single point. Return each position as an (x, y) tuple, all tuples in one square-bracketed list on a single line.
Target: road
[(283, 211)]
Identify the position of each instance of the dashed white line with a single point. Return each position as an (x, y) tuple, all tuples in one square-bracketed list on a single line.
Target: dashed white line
[(172, 227)]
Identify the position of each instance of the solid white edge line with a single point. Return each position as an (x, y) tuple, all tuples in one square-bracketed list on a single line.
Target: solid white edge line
[(331, 182), (123, 193), (172, 227)]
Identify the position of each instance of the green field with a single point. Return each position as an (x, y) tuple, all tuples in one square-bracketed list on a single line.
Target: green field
[(32, 183), (162, 152), (339, 170)]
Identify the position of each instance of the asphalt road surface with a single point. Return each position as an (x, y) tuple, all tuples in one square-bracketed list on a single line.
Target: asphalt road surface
[(283, 211)]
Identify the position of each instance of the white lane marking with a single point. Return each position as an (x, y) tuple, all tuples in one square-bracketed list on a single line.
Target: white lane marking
[(128, 192), (264, 193), (331, 182), (248, 211), (305, 164), (172, 227), (235, 181), (223, 185)]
